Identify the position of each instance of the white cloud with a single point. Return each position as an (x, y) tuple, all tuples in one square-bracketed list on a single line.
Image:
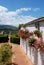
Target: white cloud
[(22, 9), (36, 9), (24, 19), (18, 11), (13, 17), (3, 9)]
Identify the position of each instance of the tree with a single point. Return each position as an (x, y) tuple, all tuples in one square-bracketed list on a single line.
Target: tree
[(20, 25)]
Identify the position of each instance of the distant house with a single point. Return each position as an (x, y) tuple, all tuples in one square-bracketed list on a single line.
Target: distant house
[(1, 32), (37, 24)]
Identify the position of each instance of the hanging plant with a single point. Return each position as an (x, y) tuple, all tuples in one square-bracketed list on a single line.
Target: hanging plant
[(31, 33), (31, 41), (24, 34), (20, 33), (38, 33), (39, 44)]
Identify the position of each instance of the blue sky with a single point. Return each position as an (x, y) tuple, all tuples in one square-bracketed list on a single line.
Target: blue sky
[(14, 12)]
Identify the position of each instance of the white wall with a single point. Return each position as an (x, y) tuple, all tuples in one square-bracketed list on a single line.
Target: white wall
[(31, 27)]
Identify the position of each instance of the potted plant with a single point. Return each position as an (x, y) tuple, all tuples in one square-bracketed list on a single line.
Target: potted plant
[(38, 33)]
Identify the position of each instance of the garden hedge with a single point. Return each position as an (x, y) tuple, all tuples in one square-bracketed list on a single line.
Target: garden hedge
[(3, 38), (15, 39)]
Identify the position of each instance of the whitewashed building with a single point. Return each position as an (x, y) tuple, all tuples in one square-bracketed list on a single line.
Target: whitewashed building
[(37, 24), (37, 57)]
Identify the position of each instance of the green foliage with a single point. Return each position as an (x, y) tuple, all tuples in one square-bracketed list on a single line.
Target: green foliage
[(4, 38), (14, 35), (31, 41), (38, 33), (15, 39), (20, 25), (5, 54)]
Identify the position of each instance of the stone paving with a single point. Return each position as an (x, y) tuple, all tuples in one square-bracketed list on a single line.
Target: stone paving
[(19, 57)]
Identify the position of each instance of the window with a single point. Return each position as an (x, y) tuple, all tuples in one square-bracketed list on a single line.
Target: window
[(37, 26)]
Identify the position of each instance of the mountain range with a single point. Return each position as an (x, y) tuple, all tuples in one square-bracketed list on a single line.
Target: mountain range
[(8, 27)]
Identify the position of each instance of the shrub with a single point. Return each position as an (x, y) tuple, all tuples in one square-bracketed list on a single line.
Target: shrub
[(15, 39), (5, 54)]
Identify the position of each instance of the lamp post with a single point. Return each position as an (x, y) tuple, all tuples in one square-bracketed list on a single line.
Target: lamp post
[(9, 37)]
